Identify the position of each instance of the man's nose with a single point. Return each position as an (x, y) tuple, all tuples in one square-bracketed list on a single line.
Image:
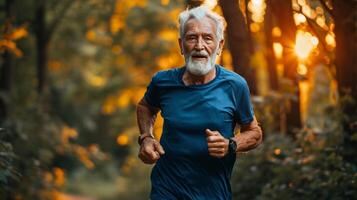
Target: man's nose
[(199, 44)]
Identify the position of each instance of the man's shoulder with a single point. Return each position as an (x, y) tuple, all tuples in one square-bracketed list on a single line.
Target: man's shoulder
[(232, 77), (166, 76)]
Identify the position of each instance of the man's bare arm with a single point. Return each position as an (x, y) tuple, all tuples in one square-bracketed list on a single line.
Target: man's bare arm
[(146, 116), (250, 136), (150, 149)]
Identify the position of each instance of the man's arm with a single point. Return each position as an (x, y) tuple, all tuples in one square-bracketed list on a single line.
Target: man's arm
[(146, 116), (250, 136), (150, 149)]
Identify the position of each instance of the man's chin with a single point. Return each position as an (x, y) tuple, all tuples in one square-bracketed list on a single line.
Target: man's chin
[(198, 70)]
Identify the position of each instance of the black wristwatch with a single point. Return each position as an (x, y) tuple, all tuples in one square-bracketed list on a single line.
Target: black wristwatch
[(232, 146), (142, 137)]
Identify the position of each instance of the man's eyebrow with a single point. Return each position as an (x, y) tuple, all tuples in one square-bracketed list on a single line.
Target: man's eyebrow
[(202, 33)]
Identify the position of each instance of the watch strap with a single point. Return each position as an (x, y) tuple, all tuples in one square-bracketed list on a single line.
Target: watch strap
[(142, 137)]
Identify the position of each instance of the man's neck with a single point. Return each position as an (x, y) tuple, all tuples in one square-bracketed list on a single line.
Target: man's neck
[(191, 79)]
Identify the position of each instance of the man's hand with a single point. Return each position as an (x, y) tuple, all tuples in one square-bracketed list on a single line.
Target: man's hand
[(150, 151), (217, 144)]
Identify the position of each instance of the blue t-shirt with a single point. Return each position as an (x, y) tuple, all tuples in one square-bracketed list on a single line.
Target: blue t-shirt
[(186, 171)]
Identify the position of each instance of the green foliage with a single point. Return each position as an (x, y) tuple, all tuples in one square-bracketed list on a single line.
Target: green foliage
[(314, 166)]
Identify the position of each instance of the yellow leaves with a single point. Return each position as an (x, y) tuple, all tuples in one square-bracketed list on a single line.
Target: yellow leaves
[(99, 36), (68, 133), (90, 35), (299, 18), (330, 40), (138, 95), (116, 23), (122, 140), (56, 177), (123, 99), (95, 80), (173, 14), (308, 11), (165, 2), (10, 46), (109, 106), (321, 21), (84, 156), (122, 8), (277, 151), (168, 34), (59, 176), (168, 61), (17, 33), (227, 59)]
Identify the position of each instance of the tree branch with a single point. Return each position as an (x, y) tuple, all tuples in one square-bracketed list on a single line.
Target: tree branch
[(53, 26), (323, 4), (314, 27)]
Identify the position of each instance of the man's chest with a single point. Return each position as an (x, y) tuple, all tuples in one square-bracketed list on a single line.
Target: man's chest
[(212, 108)]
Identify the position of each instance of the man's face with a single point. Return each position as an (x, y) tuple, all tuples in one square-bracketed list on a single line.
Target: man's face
[(200, 45)]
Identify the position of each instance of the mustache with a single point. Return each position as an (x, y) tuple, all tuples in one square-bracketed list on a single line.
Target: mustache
[(198, 53)]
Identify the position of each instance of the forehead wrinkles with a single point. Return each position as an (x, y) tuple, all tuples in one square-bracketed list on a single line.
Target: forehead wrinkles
[(204, 25)]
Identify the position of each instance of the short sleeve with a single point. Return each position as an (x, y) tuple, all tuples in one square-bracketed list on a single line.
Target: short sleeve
[(244, 107), (152, 93)]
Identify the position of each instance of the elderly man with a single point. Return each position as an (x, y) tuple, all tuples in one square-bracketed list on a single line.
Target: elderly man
[(201, 103)]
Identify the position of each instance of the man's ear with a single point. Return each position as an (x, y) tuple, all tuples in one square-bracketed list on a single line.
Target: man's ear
[(180, 44), (220, 48)]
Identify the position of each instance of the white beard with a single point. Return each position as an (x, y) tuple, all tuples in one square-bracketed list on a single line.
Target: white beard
[(200, 68)]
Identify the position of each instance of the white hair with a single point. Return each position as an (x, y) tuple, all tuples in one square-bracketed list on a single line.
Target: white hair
[(198, 13)]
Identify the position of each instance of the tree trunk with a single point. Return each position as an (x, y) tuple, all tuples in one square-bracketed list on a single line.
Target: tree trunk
[(268, 27), (345, 16), (282, 10), (6, 68), (42, 46), (238, 39)]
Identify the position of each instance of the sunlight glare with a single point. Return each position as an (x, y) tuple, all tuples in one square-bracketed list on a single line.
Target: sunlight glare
[(304, 44)]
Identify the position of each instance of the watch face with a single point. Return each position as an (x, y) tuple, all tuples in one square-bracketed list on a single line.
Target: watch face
[(232, 146)]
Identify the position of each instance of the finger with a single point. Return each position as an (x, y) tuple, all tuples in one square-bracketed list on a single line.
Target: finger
[(215, 139), (159, 148), (149, 153), (148, 161), (216, 150), (211, 133), (145, 159), (154, 155), (216, 144)]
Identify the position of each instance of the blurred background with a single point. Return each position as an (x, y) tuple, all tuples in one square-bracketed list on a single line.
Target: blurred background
[(72, 72)]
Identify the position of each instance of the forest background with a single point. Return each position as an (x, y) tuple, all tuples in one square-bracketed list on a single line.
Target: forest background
[(72, 72)]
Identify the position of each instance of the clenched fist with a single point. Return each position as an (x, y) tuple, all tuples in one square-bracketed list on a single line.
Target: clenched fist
[(150, 151), (217, 144)]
